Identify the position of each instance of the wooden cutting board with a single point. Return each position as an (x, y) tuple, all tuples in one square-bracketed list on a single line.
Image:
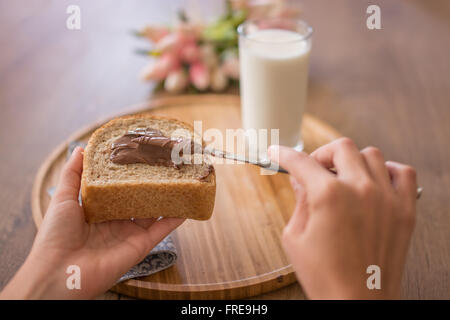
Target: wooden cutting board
[(235, 254)]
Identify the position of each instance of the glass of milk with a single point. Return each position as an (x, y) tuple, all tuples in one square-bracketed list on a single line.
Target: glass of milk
[(274, 57)]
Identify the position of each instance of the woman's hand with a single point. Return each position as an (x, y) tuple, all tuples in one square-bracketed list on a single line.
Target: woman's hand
[(103, 251), (363, 215)]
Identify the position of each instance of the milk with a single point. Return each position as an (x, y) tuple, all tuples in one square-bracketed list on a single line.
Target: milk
[(273, 80)]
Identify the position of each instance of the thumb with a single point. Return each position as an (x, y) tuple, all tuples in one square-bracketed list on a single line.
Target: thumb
[(68, 187)]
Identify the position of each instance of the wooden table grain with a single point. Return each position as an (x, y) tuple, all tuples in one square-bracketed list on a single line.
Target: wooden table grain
[(389, 88)]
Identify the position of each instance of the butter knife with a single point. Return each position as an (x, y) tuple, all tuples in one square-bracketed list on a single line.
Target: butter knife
[(265, 163)]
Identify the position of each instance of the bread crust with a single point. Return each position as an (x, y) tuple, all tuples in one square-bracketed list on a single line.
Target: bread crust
[(152, 199)]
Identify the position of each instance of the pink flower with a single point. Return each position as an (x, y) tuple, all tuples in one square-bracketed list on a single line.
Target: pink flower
[(155, 33), (199, 75), (158, 69), (190, 53), (190, 30), (170, 42), (175, 42), (170, 61), (176, 81), (151, 72)]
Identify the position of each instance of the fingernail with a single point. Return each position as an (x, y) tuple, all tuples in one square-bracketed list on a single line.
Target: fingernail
[(76, 150)]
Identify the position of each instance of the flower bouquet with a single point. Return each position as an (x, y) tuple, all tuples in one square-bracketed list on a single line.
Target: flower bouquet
[(195, 57)]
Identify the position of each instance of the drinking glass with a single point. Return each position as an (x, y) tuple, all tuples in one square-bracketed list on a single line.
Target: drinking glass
[(274, 57)]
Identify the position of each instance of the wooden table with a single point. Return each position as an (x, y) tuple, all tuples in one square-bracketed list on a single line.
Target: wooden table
[(389, 88)]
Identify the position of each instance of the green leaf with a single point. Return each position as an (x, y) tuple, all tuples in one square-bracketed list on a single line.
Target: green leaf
[(182, 16), (146, 52)]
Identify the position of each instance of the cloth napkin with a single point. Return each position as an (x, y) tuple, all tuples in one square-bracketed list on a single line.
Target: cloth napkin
[(163, 256)]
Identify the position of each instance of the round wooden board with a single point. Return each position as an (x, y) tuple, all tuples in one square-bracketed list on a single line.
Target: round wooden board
[(235, 254)]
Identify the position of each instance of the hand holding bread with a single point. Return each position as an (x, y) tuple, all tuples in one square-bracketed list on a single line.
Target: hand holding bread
[(103, 251)]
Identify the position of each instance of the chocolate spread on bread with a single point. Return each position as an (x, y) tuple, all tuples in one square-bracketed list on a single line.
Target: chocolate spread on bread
[(150, 146)]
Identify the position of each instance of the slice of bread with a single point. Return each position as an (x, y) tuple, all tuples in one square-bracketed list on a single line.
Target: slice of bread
[(122, 191)]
